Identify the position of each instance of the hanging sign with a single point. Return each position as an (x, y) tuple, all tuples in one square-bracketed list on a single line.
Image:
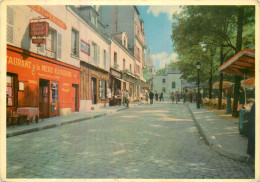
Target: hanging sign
[(38, 29)]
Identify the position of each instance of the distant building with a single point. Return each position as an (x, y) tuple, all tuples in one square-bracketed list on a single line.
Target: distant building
[(170, 81), (150, 64)]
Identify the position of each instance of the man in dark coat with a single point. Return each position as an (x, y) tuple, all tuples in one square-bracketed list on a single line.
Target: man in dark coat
[(251, 133), (151, 94)]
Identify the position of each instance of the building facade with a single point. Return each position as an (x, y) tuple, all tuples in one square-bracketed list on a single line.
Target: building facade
[(94, 58), (47, 75), (75, 63), (170, 81), (126, 19)]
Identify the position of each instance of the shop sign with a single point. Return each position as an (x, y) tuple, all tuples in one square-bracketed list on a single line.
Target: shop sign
[(85, 47), (115, 73), (38, 29), (38, 67), (38, 41), (48, 15)]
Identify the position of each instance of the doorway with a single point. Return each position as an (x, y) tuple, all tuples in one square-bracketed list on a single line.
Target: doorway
[(94, 90), (44, 97), (75, 106)]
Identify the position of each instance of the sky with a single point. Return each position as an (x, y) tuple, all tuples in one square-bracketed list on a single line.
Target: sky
[(157, 27)]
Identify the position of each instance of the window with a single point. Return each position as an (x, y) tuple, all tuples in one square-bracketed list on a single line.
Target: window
[(115, 60), (11, 90), (59, 45), (93, 18), (123, 64), (54, 92), (75, 42), (94, 53), (102, 89), (173, 84), (105, 57), (163, 89), (50, 40), (163, 80), (138, 53), (130, 68), (137, 69), (10, 25)]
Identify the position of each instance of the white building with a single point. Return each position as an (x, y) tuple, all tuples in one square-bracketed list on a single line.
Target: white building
[(170, 81)]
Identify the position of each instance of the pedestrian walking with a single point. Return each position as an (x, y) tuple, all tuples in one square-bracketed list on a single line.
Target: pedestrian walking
[(156, 96), (172, 97), (190, 95), (127, 98), (251, 133), (146, 97), (184, 97), (241, 101), (161, 96), (151, 95), (119, 96), (124, 98), (177, 96)]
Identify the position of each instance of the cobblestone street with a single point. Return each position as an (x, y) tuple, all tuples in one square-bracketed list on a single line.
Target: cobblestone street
[(158, 141)]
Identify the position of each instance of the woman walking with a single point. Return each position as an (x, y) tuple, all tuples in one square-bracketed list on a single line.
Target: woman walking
[(172, 97)]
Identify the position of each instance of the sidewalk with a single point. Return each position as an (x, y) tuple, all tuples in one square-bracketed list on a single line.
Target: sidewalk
[(62, 120), (222, 135)]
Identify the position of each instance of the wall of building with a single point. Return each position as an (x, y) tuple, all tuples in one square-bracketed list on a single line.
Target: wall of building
[(158, 84), (121, 54)]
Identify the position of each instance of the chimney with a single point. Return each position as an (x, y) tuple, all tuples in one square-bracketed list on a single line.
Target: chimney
[(115, 19)]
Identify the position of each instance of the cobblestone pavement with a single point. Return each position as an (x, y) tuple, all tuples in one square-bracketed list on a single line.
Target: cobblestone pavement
[(158, 141)]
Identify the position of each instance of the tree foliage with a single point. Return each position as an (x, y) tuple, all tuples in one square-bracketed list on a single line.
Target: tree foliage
[(209, 34)]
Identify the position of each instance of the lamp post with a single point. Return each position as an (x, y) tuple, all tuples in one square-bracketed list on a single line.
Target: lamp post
[(198, 94)]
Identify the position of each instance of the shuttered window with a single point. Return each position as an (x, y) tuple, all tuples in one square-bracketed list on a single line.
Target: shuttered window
[(10, 25), (98, 55), (94, 53), (59, 45), (75, 42), (105, 59)]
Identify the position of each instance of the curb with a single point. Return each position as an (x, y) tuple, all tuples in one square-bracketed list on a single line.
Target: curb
[(213, 143), (59, 124)]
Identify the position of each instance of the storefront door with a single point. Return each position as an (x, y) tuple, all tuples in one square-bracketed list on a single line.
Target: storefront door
[(75, 97), (94, 90), (44, 97)]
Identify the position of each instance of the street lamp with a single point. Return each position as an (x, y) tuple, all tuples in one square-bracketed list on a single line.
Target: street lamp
[(198, 94)]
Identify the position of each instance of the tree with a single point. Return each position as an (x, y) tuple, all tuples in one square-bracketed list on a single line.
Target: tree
[(221, 24)]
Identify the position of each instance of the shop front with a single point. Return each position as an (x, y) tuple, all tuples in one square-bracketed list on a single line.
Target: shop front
[(131, 84), (36, 81), (94, 84), (116, 85)]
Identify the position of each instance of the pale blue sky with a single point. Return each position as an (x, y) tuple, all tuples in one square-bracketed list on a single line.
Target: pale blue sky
[(157, 27)]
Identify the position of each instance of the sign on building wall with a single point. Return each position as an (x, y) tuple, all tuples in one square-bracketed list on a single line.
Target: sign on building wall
[(38, 29), (85, 47)]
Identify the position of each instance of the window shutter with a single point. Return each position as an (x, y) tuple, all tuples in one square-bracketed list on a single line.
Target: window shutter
[(98, 55), (10, 24), (92, 51), (59, 45), (107, 59)]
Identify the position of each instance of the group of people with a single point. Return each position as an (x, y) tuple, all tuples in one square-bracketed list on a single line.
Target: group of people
[(122, 97), (151, 95)]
